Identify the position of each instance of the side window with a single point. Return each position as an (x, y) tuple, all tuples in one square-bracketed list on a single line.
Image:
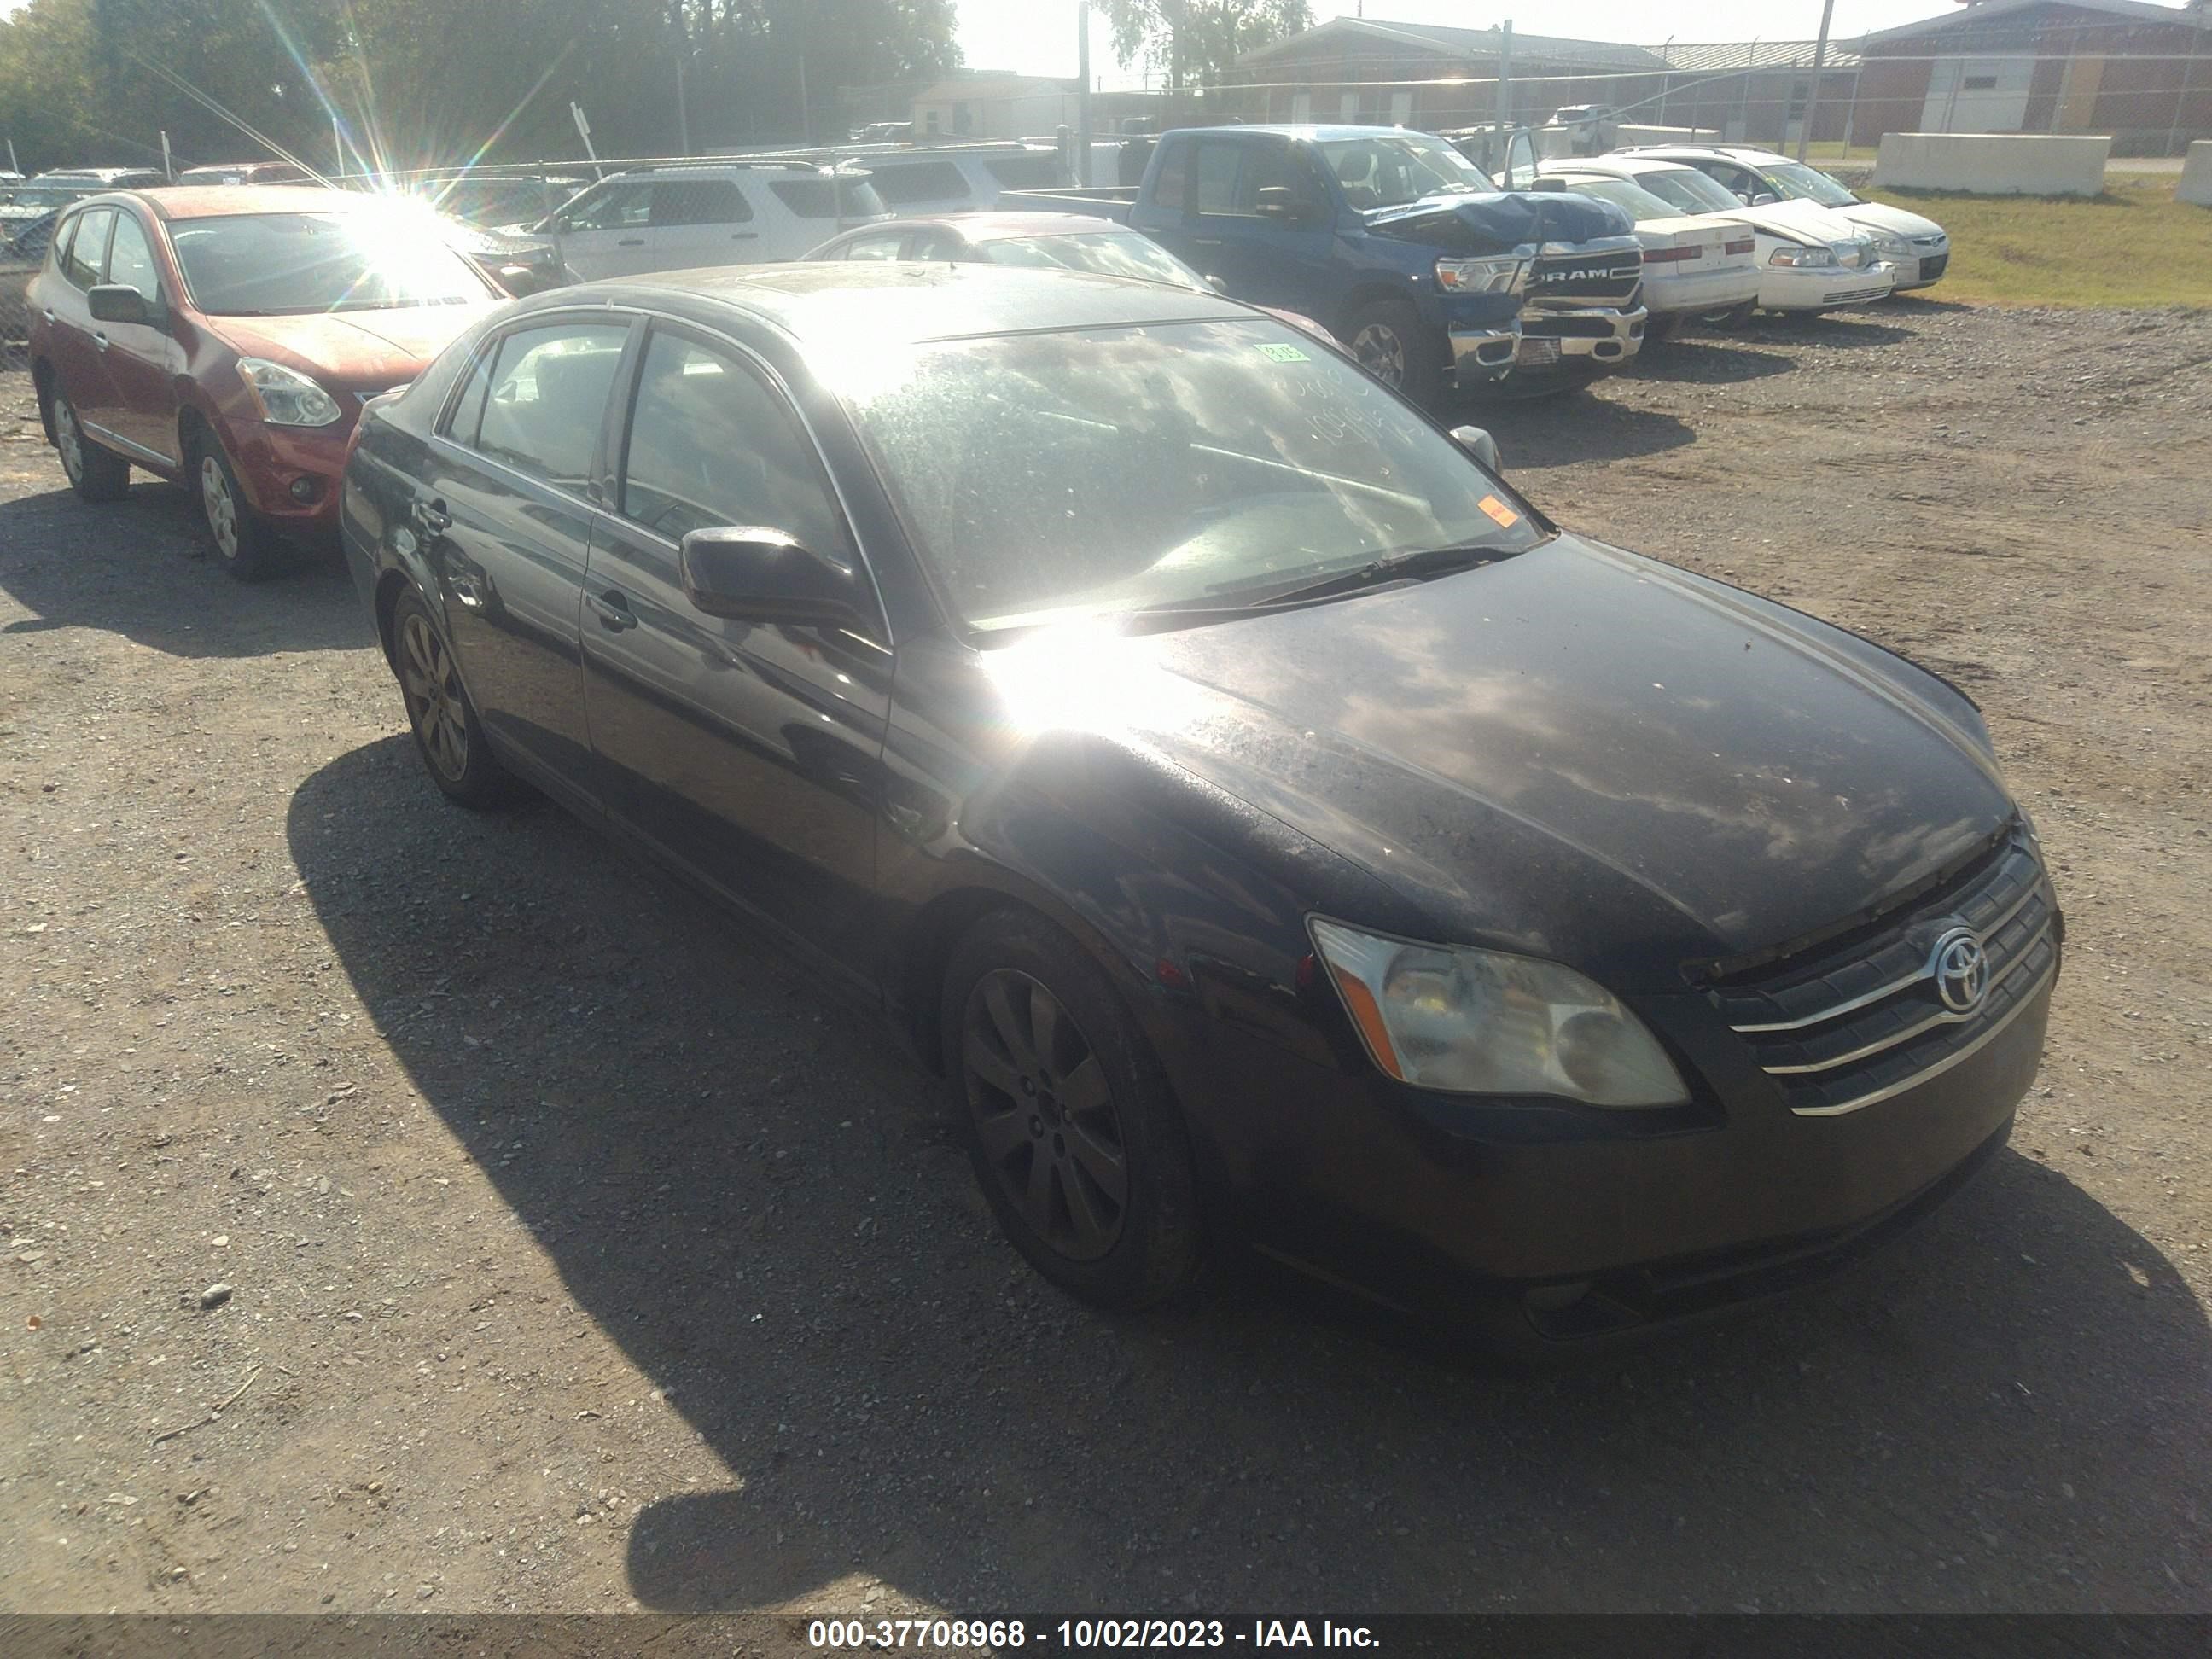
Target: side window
[(87, 249), (1520, 162), (711, 443), (1218, 167), (64, 233), (920, 181), (938, 245), (1172, 189), (548, 398), (466, 420), (612, 207), (874, 247), (1270, 164), (699, 201), (131, 259)]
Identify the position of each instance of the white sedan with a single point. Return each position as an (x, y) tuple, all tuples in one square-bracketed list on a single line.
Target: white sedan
[(1809, 258), (1695, 265)]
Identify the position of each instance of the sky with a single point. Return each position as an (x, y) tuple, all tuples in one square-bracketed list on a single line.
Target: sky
[(1038, 37)]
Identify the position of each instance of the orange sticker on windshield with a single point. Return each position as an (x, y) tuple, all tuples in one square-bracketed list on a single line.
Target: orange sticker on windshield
[(1506, 517)]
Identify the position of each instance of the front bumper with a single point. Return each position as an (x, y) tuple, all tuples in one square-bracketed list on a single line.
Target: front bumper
[(1482, 353), (271, 461), (1823, 288), (1580, 336), (1930, 258), (1695, 293)]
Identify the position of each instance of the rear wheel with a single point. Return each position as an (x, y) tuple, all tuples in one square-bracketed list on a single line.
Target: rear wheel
[(1072, 1130), (243, 545), (96, 474), (447, 734), (1730, 317), (1386, 338)]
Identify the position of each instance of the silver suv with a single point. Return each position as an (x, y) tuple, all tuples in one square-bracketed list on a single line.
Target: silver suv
[(677, 216)]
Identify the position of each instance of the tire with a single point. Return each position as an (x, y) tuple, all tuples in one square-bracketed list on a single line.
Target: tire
[(1386, 338), (242, 544), (1077, 1141), (96, 474), (1733, 317), (1660, 330), (443, 721)]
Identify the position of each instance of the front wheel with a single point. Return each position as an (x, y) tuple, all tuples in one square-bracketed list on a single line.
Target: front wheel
[(1072, 1130), (96, 474), (1386, 338), (1729, 317), (243, 545)]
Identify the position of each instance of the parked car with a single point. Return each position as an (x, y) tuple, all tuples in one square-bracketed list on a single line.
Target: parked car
[(23, 244), (1591, 128), (517, 262), (510, 205), (1271, 824), (1694, 265), (1396, 242), (725, 213), (90, 179), (1809, 259), (1918, 247), (918, 180), (37, 200), (884, 133), (246, 173), (224, 337)]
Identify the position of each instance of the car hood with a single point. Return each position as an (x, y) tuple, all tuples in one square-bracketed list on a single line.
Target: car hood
[(1500, 222), (1882, 216), (362, 350), (1575, 752), (1800, 220)]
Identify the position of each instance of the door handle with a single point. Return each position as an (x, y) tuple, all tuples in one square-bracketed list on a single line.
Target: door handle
[(613, 609), (99, 339), (432, 516), (631, 241), (744, 236)]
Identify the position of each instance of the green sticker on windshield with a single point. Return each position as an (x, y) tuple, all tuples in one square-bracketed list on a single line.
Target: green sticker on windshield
[(1284, 353)]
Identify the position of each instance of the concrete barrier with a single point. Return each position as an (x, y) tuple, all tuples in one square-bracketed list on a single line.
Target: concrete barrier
[(2196, 184), (1993, 163)]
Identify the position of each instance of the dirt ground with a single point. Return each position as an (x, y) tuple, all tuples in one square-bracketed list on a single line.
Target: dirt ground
[(582, 1256)]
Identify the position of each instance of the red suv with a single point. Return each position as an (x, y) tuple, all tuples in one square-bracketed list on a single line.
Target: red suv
[(225, 338)]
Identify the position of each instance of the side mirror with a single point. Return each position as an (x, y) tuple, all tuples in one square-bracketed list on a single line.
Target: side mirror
[(1478, 444), (1765, 198), (749, 572), (115, 302), (1217, 285), (1281, 203)]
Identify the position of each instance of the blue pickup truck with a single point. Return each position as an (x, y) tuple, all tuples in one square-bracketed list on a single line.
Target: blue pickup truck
[(1398, 244)]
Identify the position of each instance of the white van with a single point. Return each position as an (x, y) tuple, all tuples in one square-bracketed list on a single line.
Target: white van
[(676, 215), (934, 179)]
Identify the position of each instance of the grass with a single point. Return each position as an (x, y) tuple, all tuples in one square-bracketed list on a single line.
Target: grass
[(2133, 246)]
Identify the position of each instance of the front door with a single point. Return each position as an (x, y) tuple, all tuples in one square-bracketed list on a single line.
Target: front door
[(80, 257), (143, 360), (1268, 258), (505, 519), (608, 230), (748, 752), (702, 222)]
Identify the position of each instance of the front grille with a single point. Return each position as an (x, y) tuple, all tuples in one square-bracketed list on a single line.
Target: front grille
[(1856, 1021), (1588, 277), (1932, 268), (1565, 325)]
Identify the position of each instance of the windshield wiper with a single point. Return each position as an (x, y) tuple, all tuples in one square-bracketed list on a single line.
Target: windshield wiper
[(1396, 567)]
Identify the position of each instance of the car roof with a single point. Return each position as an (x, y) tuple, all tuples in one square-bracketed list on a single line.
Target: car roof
[(1727, 152), (1313, 132), (833, 301), (220, 201), (1619, 164)]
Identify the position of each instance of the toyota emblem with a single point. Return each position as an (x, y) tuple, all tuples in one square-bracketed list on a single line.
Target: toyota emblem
[(1961, 970)]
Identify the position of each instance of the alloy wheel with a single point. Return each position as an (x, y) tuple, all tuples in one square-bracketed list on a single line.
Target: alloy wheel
[(220, 505), (68, 440), (1379, 350), (1044, 1114), (432, 687)]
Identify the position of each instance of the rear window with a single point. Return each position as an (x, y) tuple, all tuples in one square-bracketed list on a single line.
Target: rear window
[(918, 182), (826, 199), (1042, 171), (699, 201)]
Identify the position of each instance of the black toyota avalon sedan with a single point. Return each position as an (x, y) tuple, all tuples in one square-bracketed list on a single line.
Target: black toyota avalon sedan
[(1271, 826)]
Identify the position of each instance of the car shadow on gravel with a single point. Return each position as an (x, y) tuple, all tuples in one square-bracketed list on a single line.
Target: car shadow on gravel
[(749, 1187), (1559, 431), (1838, 330), (1708, 363), (139, 567)]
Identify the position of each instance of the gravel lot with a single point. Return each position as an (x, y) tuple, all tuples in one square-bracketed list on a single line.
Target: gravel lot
[(582, 1256)]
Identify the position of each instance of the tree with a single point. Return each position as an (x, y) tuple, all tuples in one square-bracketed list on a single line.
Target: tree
[(1198, 39)]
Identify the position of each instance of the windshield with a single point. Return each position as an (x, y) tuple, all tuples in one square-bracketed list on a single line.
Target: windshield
[(1108, 253), (1391, 169), (1049, 477), (267, 265), (1795, 181), (1689, 190), (1641, 203)]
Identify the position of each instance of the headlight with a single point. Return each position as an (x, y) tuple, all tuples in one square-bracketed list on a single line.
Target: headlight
[(1791, 253), (1487, 1023), (284, 396), (1481, 276), (1894, 247)]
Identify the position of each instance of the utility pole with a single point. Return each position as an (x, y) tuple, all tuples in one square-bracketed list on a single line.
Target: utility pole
[(1083, 98), (1813, 97), (168, 161), (683, 120)]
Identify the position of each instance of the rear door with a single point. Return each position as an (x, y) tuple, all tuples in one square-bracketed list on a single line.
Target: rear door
[(144, 360), (504, 514), (747, 752), (1266, 258), (608, 230), (702, 222)]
